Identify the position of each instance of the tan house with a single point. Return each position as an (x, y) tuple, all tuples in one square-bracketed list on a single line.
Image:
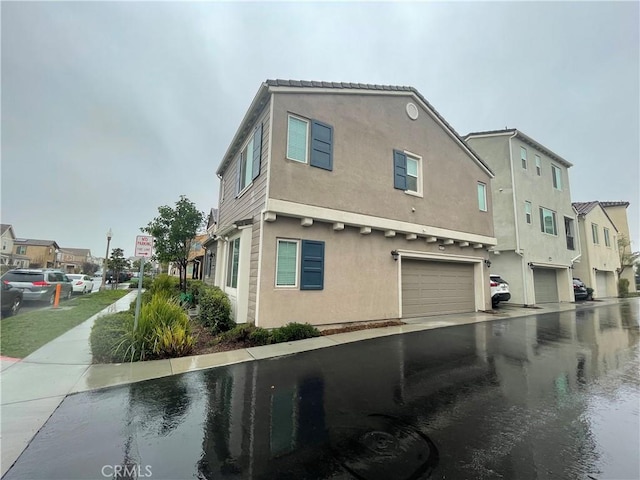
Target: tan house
[(195, 260), (600, 262), (617, 211), (71, 260), (41, 253), (211, 247), (344, 202)]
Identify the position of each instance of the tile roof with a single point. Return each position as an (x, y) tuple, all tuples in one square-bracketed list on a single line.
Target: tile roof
[(615, 204), (35, 243), (353, 86), (78, 252), (584, 207)]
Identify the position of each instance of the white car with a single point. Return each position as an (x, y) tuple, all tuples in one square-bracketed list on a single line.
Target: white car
[(499, 290), (81, 283)]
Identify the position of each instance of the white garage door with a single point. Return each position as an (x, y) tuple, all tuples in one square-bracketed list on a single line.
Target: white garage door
[(545, 285), (436, 288), (601, 285)]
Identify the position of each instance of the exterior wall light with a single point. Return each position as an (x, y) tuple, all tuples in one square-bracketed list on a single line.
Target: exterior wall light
[(487, 263), (395, 255)]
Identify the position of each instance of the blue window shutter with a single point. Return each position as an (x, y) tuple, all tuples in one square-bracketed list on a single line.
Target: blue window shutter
[(257, 151), (399, 170), (321, 145), (312, 265)]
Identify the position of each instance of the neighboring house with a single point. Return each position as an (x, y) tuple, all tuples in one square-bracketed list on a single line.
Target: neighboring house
[(347, 202), (71, 260), (617, 211), (41, 253), (7, 257), (211, 246), (598, 267), (534, 221), (195, 260)]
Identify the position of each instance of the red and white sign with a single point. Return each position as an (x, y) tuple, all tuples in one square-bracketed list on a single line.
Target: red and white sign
[(144, 246)]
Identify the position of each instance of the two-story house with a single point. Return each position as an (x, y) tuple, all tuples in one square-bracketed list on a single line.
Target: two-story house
[(41, 253), (72, 260), (534, 221), (8, 237), (600, 261), (346, 202), (617, 211)]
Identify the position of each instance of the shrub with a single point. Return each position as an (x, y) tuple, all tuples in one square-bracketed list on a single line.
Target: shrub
[(146, 283), (215, 310), (195, 287), (247, 334), (589, 293), (156, 316), (294, 331), (623, 287), (166, 283), (173, 341), (107, 334), (260, 336)]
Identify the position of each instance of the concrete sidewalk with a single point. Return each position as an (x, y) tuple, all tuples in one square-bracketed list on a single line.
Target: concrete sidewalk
[(33, 387)]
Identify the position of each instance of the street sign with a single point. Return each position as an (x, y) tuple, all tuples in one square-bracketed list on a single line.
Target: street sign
[(144, 246)]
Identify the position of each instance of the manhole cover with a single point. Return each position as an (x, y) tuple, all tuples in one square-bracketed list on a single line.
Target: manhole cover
[(384, 447)]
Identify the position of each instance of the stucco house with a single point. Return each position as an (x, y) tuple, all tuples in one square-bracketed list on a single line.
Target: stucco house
[(344, 202), (535, 223), (600, 261), (71, 260), (41, 253), (617, 211)]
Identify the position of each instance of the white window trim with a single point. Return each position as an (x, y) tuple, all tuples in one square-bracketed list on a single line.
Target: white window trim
[(595, 235), (306, 150), (486, 206), (530, 212), (297, 271), (554, 169), (538, 165), (525, 158), (249, 162), (229, 265), (554, 215), (420, 176), (607, 237)]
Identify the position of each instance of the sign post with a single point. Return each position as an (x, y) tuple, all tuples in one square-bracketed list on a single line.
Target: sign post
[(144, 249)]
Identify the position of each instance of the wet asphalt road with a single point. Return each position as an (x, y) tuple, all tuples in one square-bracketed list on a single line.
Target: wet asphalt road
[(551, 396)]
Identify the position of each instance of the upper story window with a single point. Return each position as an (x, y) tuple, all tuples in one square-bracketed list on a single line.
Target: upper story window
[(482, 196), (310, 141), (523, 157), (407, 172), (548, 221), (538, 165), (249, 160), (568, 228), (594, 234), (21, 250), (527, 212), (607, 238), (557, 177)]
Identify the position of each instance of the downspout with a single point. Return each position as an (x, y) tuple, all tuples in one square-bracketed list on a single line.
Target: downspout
[(518, 251)]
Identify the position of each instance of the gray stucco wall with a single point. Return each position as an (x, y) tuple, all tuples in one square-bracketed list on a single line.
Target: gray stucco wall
[(367, 128)]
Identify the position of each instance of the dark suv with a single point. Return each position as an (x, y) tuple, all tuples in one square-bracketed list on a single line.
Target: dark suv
[(39, 284)]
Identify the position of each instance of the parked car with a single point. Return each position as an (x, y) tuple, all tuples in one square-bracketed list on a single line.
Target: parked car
[(122, 277), (11, 299), (499, 290), (39, 284), (81, 283), (580, 290)]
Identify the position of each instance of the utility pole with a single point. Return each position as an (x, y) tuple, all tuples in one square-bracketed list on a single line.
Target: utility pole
[(104, 264)]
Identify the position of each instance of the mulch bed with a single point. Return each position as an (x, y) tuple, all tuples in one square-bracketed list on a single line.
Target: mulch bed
[(208, 343)]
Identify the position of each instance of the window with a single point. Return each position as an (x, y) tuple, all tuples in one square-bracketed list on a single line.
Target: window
[(287, 263), (548, 221), (407, 172), (482, 196), (320, 146), (232, 264), (568, 229), (607, 239), (527, 212), (297, 134), (594, 233), (538, 165), (249, 160), (557, 177), (22, 250), (523, 157)]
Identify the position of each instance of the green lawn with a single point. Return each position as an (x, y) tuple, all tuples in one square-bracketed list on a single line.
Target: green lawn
[(28, 331)]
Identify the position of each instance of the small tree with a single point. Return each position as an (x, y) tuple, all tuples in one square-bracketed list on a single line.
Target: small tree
[(89, 268), (627, 257), (148, 266), (117, 262), (173, 231)]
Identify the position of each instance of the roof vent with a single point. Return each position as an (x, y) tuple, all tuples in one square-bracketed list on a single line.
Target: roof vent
[(412, 111)]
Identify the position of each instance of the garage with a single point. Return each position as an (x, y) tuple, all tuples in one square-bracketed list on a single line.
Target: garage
[(436, 288), (601, 285), (545, 284)]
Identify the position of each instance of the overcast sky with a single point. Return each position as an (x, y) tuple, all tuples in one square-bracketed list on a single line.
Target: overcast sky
[(110, 110)]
